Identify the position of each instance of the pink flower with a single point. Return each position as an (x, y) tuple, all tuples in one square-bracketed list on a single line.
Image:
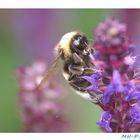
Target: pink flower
[(41, 110)]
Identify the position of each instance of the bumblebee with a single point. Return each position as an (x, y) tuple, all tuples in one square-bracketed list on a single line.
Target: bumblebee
[(74, 52)]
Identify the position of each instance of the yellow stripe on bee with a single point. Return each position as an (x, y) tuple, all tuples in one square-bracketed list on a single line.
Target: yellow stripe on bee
[(65, 42)]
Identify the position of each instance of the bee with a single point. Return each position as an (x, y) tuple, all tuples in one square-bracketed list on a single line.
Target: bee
[(74, 52)]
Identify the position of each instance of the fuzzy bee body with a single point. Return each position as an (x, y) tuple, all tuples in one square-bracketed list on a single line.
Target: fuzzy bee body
[(74, 52)]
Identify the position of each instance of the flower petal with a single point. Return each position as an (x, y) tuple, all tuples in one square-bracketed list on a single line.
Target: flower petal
[(105, 121)]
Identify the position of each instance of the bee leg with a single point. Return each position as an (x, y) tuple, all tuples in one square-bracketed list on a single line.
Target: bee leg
[(78, 70), (75, 69), (88, 71), (78, 59), (77, 87)]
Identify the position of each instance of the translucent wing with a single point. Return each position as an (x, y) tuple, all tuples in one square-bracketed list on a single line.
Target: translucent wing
[(49, 72)]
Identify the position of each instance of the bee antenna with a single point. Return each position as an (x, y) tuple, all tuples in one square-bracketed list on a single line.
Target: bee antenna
[(85, 43)]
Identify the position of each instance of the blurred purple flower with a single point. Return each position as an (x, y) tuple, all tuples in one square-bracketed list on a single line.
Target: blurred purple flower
[(41, 110), (111, 44), (110, 32), (34, 30), (38, 30)]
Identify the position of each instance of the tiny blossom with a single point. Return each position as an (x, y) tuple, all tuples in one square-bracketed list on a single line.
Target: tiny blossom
[(130, 60), (114, 87), (41, 110), (131, 92), (105, 121), (94, 82), (135, 114)]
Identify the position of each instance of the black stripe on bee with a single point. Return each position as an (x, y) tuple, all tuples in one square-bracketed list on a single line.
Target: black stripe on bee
[(79, 84)]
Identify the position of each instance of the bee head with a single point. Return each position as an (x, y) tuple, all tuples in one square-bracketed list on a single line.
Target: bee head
[(79, 44), (72, 42)]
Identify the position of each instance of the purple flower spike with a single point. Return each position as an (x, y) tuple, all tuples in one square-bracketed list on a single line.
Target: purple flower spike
[(105, 121), (120, 82)]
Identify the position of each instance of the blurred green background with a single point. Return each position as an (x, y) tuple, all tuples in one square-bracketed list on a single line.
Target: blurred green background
[(28, 34)]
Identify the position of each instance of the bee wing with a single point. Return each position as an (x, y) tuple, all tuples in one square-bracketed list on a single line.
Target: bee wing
[(49, 72)]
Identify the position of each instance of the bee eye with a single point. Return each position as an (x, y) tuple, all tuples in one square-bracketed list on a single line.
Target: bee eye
[(76, 42), (79, 43)]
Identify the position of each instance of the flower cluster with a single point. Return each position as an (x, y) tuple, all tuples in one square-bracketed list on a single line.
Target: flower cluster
[(118, 82), (41, 110)]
